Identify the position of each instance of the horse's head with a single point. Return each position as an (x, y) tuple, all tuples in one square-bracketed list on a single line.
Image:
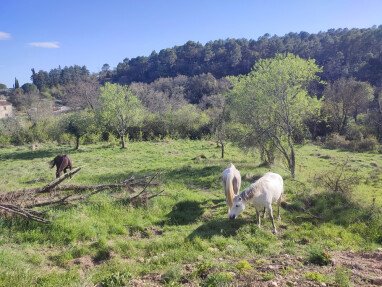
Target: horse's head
[(237, 208), (56, 161)]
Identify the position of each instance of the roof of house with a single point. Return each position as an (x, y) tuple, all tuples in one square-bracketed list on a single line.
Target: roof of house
[(5, 103)]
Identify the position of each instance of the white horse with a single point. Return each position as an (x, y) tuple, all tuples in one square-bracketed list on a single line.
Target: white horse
[(231, 183), (266, 190)]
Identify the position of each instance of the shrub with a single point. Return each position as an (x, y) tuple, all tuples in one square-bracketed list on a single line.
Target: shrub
[(315, 276), (342, 277), (318, 256), (243, 266), (336, 141)]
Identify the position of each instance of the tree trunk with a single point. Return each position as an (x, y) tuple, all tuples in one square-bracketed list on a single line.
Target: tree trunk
[(222, 148), (292, 163), (123, 143), (77, 142)]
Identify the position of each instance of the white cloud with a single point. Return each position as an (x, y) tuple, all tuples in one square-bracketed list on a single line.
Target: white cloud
[(4, 36), (47, 45)]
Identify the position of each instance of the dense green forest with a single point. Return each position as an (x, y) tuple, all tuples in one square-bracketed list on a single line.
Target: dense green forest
[(341, 52)]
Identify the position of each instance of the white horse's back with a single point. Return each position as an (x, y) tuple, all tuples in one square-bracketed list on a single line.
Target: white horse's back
[(271, 185)]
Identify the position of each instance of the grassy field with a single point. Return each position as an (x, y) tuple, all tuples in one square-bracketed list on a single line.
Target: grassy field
[(184, 237)]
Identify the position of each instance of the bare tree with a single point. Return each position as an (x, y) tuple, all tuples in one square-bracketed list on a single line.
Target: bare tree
[(83, 94)]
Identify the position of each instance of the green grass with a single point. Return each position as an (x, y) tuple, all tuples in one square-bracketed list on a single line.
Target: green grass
[(184, 235)]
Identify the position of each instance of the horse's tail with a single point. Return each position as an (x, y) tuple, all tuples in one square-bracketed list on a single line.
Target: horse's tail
[(52, 163), (229, 191)]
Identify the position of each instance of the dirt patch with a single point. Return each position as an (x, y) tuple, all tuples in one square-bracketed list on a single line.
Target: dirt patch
[(366, 267), (85, 262)]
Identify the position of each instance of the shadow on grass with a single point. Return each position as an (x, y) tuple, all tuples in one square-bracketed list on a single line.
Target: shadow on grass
[(333, 207), (199, 177), (224, 227), (113, 177), (43, 153), (184, 213)]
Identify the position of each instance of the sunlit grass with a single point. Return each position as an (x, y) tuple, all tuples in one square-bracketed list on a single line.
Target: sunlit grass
[(188, 226)]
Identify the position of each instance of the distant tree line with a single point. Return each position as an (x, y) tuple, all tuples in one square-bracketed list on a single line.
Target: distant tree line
[(341, 52)]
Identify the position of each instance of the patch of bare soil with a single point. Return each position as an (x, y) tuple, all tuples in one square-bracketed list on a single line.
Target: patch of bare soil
[(85, 262), (366, 267)]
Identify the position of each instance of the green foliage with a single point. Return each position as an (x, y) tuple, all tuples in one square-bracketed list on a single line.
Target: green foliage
[(342, 277), (120, 109), (272, 104), (315, 276), (336, 141), (243, 266), (79, 124), (117, 279), (218, 279), (317, 255), (266, 276)]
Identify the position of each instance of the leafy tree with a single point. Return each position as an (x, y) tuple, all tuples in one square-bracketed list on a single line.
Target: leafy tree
[(120, 109), (3, 86), (187, 122), (346, 98), (271, 103), (79, 124), (29, 88), (16, 84)]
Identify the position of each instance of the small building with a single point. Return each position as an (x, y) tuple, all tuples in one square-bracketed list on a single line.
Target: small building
[(6, 109)]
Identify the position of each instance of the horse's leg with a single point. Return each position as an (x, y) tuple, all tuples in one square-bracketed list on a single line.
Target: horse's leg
[(273, 221), (264, 213), (258, 218), (57, 171), (278, 209)]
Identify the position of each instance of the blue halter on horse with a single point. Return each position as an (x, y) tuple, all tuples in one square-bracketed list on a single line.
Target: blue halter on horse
[(62, 163)]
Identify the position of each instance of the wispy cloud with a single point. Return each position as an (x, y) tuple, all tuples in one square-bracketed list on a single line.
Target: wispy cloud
[(47, 45), (4, 36)]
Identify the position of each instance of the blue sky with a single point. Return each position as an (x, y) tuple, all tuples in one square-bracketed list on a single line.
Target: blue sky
[(43, 34)]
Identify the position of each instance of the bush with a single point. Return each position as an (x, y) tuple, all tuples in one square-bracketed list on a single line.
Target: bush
[(342, 277), (336, 141), (318, 256)]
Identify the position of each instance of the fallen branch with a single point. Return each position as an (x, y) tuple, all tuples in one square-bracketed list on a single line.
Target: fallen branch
[(20, 202), (57, 181), (144, 189), (23, 212)]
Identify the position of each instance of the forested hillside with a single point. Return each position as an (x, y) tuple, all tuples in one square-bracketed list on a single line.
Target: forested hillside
[(341, 52)]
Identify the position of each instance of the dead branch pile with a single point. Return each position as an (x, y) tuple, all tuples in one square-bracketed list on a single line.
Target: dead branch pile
[(22, 202)]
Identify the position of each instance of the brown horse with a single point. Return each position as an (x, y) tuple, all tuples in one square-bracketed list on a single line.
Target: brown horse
[(62, 163)]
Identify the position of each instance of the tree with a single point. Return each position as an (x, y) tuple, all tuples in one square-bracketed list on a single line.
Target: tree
[(83, 93), (29, 88), (16, 84), (79, 124), (346, 98), (3, 86), (120, 109), (271, 103), (218, 116)]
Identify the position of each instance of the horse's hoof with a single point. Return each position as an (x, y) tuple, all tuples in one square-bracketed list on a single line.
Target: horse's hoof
[(274, 231)]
